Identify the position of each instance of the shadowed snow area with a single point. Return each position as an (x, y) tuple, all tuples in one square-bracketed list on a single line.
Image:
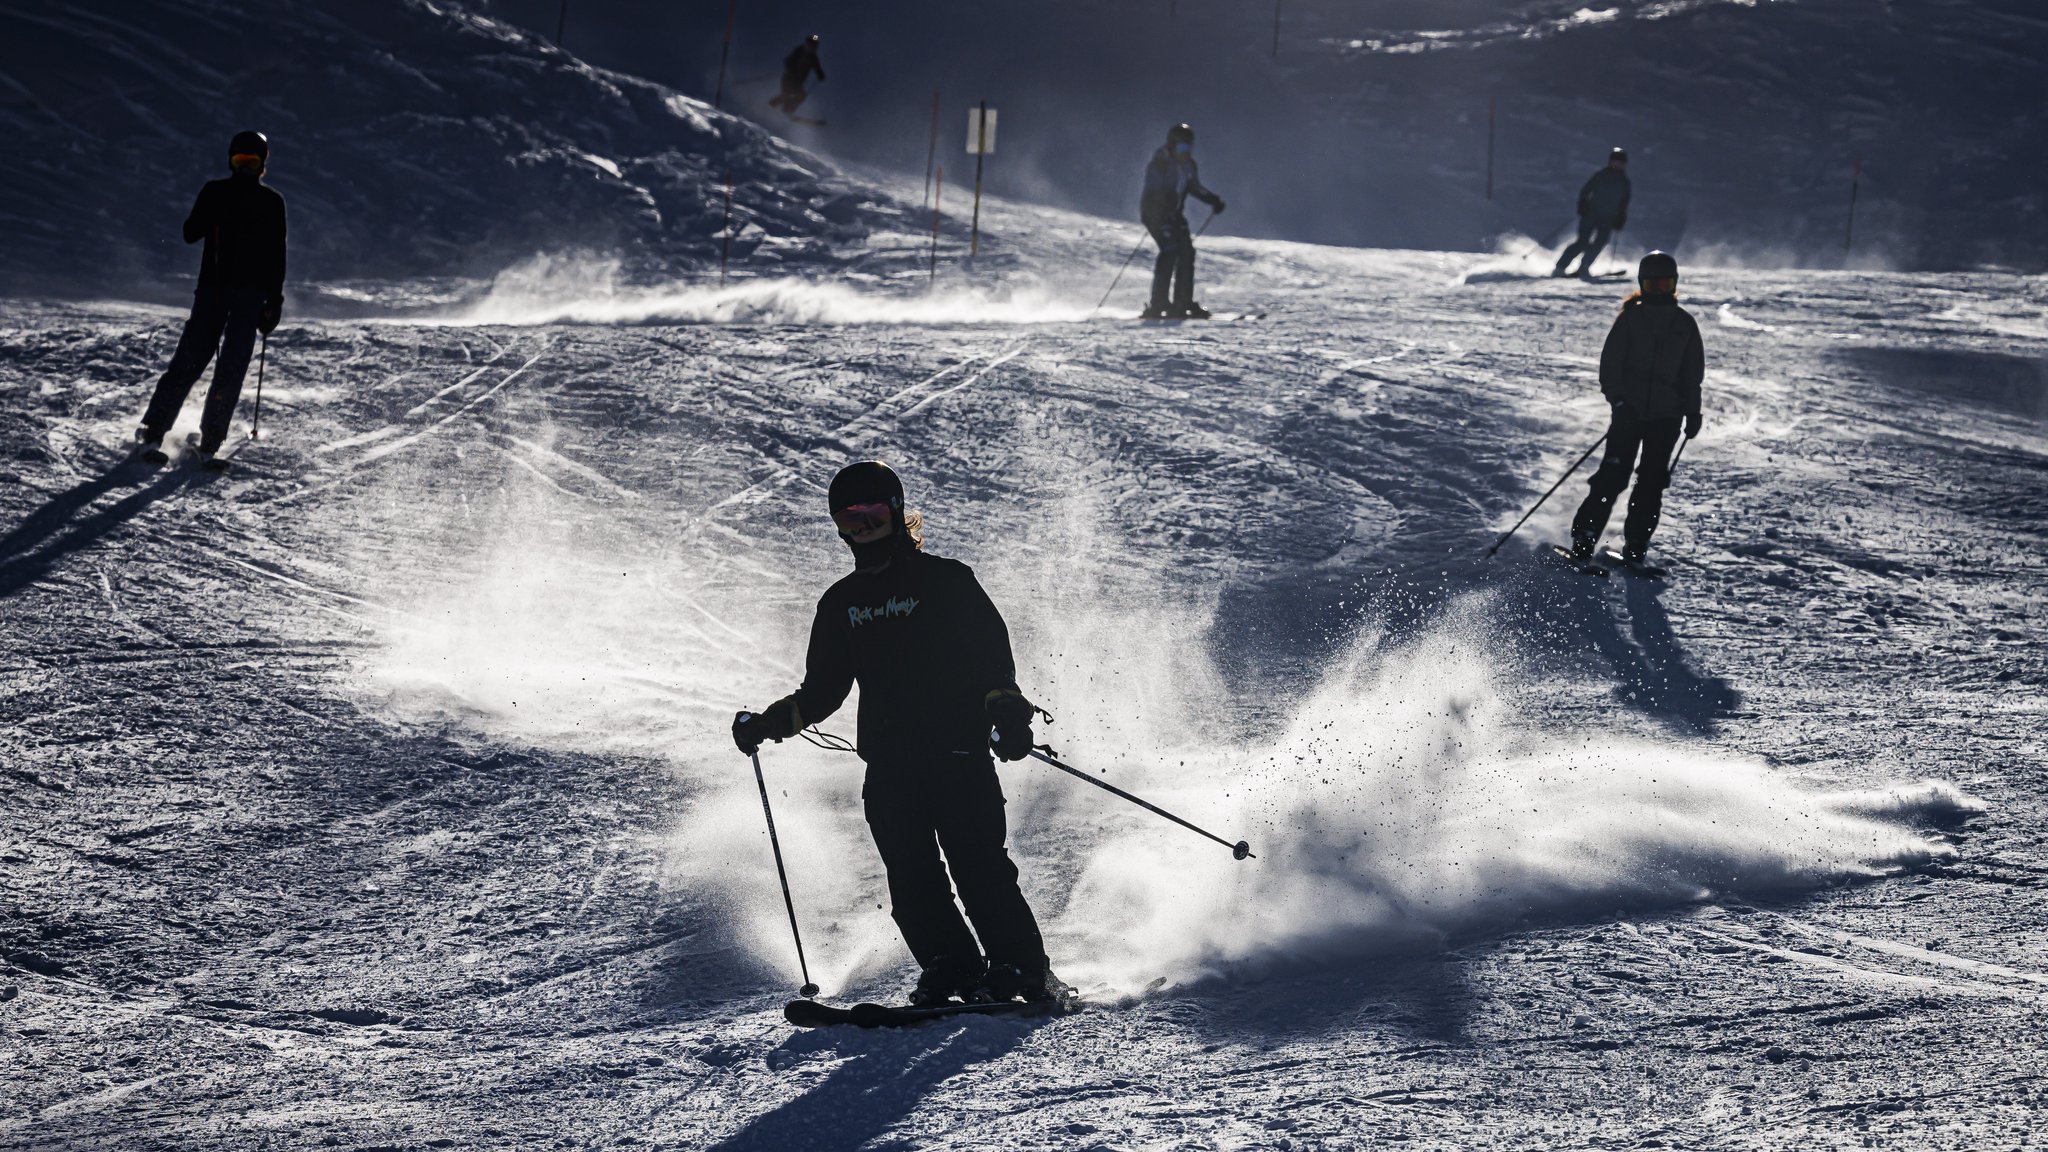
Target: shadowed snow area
[(380, 789)]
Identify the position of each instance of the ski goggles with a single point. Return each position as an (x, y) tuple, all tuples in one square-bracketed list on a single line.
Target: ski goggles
[(859, 519), (245, 160)]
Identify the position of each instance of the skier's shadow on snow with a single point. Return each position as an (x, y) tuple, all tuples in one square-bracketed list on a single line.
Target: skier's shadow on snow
[(890, 1072), (42, 539)]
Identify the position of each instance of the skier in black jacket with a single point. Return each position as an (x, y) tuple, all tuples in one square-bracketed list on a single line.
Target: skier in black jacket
[(1603, 211), (797, 68), (932, 657), (1170, 179), (240, 293), (1650, 371)]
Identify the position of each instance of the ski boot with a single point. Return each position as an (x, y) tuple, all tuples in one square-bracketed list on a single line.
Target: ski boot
[(948, 981), (211, 460), (1155, 313), (1009, 982), (1582, 550), (1192, 311), (149, 447)]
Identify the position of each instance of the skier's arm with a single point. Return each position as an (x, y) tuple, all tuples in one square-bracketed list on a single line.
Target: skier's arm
[(828, 669), (1586, 196), (200, 221), (1200, 191), (1621, 214), (1692, 369), (1614, 360), (277, 256), (995, 670), (818, 66)]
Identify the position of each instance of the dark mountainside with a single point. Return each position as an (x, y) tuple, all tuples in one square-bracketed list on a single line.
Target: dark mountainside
[(411, 140), (1369, 125)]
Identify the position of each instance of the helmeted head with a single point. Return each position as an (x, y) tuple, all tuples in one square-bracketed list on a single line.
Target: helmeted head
[(1180, 140), (812, 39), (1657, 275), (866, 501), (249, 153), (1617, 158)]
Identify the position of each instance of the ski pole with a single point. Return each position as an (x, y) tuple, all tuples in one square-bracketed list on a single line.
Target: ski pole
[(1553, 488), (1120, 274), (1241, 850), (809, 989), (256, 425)]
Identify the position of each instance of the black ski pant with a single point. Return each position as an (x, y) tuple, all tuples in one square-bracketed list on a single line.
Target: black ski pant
[(952, 804), (223, 320), (1175, 267), (1592, 241), (791, 98), (1628, 434)]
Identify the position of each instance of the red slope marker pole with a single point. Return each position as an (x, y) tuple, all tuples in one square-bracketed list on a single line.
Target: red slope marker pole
[(725, 53), (938, 190)]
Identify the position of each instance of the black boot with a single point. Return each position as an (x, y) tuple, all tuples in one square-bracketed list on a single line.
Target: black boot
[(947, 980), (1009, 982)]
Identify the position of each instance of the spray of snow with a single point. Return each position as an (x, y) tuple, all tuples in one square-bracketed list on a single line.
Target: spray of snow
[(1518, 257), (1402, 801), (588, 290), (1405, 801)]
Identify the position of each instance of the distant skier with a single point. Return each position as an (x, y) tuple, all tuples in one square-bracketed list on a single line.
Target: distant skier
[(797, 68), (1650, 371), (932, 657), (1603, 211), (1169, 180), (240, 293)]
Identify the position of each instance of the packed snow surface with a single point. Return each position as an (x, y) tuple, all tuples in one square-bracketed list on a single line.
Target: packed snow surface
[(378, 793)]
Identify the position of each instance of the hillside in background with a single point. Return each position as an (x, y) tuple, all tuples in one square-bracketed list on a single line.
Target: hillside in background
[(410, 139), (1366, 124)]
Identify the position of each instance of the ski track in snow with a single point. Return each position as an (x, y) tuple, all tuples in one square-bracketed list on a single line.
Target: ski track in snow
[(377, 792)]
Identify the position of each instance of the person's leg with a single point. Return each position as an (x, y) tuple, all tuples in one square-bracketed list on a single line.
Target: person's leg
[(1624, 437), (195, 348), (1576, 246), (1162, 268), (920, 898), (971, 830), (238, 341), (1598, 244), (1183, 265), (1653, 475)]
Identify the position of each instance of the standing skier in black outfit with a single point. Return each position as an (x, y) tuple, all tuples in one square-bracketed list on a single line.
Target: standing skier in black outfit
[(1169, 180), (240, 293), (1650, 371), (1603, 211), (797, 68), (932, 657)]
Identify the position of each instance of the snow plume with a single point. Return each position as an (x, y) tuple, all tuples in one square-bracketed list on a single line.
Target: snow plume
[(1405, 802), (1518, 257), (588, 290)]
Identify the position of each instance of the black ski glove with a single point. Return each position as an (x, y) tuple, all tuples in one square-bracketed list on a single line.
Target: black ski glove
[(1217, 205), (273, 311), (1010, 714), (1692, 426), (778, 721)]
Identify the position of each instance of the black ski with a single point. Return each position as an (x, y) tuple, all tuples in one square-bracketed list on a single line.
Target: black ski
[(1642, 568), (1212, 318), (811, 1014), (1565, 554)]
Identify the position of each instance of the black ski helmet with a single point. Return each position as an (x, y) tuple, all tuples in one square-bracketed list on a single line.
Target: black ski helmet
[(812, 40), (1180, 134), (868, 482), (250, 143), (1658, 265), (1618, 153)]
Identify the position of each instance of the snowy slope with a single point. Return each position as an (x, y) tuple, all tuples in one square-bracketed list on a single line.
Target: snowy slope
[(1368, 125), (378, 794), (411, 139)]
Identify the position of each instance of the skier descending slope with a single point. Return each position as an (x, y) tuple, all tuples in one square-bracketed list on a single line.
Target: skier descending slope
[(1650, 371), (240, 292), (1169, 180), (1603, 211), (932, 657), (797, 68)]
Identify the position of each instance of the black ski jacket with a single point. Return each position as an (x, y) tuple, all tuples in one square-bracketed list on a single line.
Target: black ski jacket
[(927, 647), (1604, 199), (1653, 360), (242, 221), (799, 64), (1169, 181)]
